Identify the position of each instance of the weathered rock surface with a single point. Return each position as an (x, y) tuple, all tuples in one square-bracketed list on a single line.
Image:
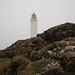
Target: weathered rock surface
[(23, 47), (58, 33), (62, 51)]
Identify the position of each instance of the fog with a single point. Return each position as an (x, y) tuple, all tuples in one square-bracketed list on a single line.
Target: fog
[(15, 17)]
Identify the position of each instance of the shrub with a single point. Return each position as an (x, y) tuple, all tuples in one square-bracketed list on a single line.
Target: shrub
[(19, 60), (15, 63)]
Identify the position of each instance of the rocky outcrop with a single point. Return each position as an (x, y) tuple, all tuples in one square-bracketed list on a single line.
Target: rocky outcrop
[(57, 44), (23, 47), (58, 33), (55, 68), (62, 51)]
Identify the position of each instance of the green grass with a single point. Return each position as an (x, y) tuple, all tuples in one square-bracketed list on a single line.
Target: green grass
[(38, 65)]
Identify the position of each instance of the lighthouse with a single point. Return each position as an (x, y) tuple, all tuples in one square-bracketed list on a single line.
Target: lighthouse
[(33, 25)]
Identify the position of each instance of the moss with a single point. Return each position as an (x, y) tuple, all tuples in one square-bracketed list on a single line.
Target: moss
[(38, 65)]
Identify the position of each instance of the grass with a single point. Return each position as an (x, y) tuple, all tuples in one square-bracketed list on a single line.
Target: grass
[(39, 64), (22, 67), (4, 62)]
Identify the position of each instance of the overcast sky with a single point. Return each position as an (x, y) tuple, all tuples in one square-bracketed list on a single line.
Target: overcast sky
[(15, 17)]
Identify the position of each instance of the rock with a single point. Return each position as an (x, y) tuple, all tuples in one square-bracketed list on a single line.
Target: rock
[(55, 68), (58, 33), (71, 65), (52, 68), (34, 55), (54, 64)]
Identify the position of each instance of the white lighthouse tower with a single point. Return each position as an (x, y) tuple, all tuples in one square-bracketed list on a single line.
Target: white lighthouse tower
[(33, 25)]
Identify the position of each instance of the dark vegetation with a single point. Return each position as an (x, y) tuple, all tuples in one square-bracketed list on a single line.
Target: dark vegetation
[(50, 53)]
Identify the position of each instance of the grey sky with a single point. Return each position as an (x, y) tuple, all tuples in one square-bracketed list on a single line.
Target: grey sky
[(15, 17)]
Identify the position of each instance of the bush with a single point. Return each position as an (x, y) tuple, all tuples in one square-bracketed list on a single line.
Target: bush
[(19, 60), (15, 64)]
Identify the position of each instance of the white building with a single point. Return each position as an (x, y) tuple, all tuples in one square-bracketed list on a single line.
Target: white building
[(33, 25)]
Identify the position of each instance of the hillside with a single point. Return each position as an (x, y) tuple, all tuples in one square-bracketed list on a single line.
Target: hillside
[(58, 32), (50, 53)]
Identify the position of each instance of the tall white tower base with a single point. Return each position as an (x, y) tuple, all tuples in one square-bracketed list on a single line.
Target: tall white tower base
[(33, 25)]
